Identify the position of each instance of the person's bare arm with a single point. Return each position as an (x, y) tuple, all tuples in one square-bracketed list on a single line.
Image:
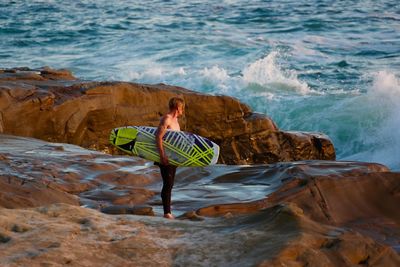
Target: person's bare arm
[(162, 128)]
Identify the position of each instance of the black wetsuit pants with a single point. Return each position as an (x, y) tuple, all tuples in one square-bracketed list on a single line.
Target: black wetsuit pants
[(168, 176)]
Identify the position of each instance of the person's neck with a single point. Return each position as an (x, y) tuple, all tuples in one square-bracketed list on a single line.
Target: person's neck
[(174, 114)]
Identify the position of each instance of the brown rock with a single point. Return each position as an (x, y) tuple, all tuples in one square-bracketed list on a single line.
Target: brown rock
[(35, 173), (124, 209), (62, 234), (52, 74), (340, 200), (54, 106), (322, 245), (16, 193), (348, 215)]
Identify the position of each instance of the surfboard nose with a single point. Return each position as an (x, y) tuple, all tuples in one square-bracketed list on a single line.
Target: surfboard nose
[(214, 160)]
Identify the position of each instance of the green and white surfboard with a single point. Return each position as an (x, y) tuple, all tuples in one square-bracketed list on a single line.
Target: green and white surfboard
[(181, 148)]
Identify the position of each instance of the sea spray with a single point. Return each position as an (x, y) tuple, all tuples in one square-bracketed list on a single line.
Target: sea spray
[(383, 103), (363, 126), (215, 78), (266, 71), (152, 73)]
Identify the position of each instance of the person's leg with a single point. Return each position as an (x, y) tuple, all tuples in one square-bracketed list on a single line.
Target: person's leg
[(168, 176)]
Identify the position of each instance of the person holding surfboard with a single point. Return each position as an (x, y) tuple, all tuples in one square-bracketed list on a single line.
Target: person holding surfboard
[(168, 121)]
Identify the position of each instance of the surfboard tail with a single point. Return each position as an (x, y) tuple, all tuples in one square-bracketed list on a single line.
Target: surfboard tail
[(113, 136)]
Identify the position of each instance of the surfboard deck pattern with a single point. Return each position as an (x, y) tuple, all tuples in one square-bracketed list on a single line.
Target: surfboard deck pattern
[(182, 148)]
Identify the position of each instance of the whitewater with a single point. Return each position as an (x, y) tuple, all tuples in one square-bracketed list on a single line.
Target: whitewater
[(323, 66)]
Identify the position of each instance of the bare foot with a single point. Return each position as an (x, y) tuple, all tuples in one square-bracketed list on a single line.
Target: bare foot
[(169, 216)]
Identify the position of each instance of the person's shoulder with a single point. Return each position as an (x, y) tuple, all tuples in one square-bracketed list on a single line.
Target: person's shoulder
[(166, 119)]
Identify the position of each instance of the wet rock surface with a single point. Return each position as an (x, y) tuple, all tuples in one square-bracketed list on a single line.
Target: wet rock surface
[(101, 210)]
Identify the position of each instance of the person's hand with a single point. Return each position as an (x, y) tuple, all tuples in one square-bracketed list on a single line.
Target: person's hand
[(164, 160)]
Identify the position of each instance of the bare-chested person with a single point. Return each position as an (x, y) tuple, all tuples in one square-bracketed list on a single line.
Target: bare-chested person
[(168, 121)]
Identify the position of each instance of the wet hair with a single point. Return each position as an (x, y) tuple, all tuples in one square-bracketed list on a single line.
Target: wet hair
[(175, 102)]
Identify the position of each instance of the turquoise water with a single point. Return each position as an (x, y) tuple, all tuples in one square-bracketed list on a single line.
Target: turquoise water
[(327, 66)]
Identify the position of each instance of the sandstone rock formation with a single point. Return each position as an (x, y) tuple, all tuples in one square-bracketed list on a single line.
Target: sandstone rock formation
[(35, 173), (53, 105), (306, 213)]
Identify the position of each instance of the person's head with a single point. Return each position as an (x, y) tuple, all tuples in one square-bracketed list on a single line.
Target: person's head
[(176, 103)]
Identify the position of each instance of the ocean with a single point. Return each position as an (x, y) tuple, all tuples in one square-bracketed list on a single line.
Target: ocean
[(318, 66)]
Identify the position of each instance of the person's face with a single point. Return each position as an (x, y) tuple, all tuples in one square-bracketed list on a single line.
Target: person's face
[(180, 110)]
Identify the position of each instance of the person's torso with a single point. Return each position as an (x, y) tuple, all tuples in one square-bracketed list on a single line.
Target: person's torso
[(174, 125)]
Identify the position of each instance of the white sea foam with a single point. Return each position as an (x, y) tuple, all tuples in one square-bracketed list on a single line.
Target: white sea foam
[(264, 77), (342, 91), (300, 49), (215, 74), (386, 87), (266, 95), (266, 71), (383, 105), (153, 73), (216, 77), (386, 92)]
